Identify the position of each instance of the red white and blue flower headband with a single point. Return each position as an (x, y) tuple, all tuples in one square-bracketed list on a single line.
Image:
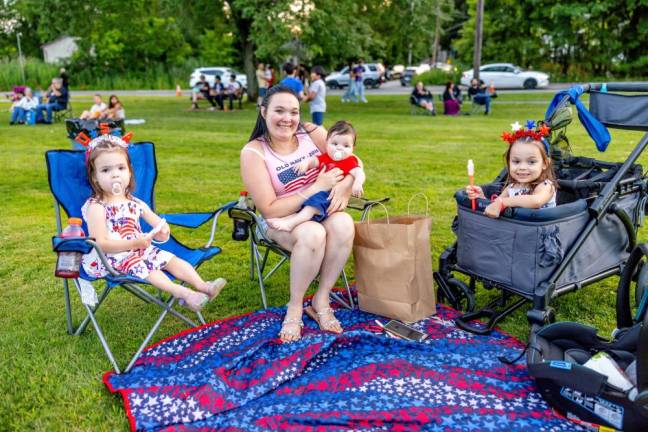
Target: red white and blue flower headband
[(531, 130)]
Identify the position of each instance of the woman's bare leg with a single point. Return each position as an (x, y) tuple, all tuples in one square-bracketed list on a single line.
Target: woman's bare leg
[(307, 244), (339, 241)]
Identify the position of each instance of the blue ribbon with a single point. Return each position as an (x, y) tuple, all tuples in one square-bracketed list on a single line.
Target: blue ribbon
[(596, 130)]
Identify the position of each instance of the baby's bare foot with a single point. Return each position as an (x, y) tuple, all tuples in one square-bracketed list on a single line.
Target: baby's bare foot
[(281, 224)]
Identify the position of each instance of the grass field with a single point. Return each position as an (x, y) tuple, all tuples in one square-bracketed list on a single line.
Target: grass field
[(52, 381)]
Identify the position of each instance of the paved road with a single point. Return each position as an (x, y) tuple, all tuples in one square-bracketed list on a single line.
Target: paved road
[(389, 88)]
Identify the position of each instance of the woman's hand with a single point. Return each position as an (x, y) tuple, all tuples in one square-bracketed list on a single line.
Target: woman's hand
[(475, 192), (326, 180)]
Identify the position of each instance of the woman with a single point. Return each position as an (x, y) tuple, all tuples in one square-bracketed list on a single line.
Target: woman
[(451, 99), (278, 141), (422, 97), (317, 95), (115, 110)]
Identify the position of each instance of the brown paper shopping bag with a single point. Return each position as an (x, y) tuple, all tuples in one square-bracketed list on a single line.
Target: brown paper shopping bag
[(393, 267)]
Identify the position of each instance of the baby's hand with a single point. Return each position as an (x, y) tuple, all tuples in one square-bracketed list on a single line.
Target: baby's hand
[(357, 190), (302, 167), (493, 209), (474, 192)]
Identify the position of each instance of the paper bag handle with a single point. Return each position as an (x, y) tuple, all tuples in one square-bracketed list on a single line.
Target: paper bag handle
[(371, 208), (427, 203)]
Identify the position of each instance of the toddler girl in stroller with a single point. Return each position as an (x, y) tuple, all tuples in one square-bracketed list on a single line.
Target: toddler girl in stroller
[(530, 182)]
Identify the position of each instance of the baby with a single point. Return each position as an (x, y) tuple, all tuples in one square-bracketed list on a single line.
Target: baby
[(340, 142)]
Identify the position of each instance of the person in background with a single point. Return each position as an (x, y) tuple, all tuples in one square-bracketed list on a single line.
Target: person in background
[(22, 107), (262, 80), (291, 81), (270, 70), (358, 72), (351, 88), (317, 95), (201, 91), (95, 110), (479, 94), (217, 92), (232, 91), (57, 100), (423, 97), (65, 78), (115, 110), (451, 99)]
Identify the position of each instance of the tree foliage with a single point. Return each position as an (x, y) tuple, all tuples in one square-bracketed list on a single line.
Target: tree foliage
[(571, 38)]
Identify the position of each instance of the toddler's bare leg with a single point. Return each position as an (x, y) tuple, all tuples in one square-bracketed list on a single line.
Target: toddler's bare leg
[(194, 300), (287, 223), (184, 271)]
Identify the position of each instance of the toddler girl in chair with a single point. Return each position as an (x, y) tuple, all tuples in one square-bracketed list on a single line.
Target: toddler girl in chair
[(112, 215)]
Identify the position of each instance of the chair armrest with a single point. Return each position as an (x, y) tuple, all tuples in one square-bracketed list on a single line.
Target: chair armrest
[(194, 220), (71, 244), (362, 204)]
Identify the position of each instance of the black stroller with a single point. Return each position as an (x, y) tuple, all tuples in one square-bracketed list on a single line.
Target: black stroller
[(536, 255)]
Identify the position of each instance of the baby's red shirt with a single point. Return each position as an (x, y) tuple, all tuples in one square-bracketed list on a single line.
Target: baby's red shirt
[(345, 165)]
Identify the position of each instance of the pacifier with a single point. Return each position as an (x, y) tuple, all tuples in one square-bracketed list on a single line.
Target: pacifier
[(338, 155), (117, 188)]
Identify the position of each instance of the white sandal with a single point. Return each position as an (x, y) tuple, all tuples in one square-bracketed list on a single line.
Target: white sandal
[(318, 317), (285, 331)]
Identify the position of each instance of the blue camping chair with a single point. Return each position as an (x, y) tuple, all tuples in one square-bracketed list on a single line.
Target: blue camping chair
[(69, 185)]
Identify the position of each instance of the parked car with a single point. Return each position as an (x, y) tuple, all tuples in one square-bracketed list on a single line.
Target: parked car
[(210, 73), (397, 71), (408, 75), (370, 77), (507, 75)]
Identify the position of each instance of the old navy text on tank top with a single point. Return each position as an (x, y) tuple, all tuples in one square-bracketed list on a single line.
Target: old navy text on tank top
[(285, 180)]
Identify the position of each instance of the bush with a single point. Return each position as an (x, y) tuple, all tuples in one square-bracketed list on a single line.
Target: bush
[(437, 77), (37, 73)]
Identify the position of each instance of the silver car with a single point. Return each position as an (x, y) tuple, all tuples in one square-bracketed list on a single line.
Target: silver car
[(370, 77)]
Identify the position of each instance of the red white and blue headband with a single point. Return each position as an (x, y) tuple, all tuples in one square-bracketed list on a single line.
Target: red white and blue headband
[(531, 130)]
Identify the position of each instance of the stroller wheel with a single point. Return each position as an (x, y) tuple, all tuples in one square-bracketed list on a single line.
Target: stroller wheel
[(632, 293), (463, 298)]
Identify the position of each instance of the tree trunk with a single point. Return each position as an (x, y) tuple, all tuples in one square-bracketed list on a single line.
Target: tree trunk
[(437, 33), (248, 48)]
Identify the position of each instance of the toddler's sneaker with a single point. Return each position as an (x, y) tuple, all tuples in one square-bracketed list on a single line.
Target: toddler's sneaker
[(214, 288), (196, 301)]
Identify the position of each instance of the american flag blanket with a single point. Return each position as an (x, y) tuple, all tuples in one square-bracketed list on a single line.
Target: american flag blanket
[(235, 375)]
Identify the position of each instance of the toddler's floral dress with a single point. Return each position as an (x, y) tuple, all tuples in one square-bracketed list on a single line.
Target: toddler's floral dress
[(123, 223)]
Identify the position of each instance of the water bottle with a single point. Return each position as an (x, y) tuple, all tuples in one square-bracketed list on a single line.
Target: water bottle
[(240, 232), (68, 264)]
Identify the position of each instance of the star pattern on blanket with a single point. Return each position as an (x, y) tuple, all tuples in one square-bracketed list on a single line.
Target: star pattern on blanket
[(236, 374)]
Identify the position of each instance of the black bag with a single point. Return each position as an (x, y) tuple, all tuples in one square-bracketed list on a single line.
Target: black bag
[(556, 353)]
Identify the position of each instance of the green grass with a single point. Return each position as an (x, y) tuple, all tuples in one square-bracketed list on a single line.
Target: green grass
[(51, 381)]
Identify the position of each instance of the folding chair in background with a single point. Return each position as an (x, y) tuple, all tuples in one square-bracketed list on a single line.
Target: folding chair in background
[(261, 246), (69, 185)]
